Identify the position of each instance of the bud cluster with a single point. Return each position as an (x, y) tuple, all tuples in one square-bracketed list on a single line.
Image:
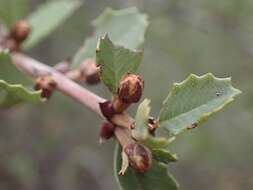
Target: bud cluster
[(129, 91)]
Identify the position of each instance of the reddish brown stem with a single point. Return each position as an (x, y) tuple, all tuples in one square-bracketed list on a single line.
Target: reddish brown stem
[(37, 69), (62, 66)]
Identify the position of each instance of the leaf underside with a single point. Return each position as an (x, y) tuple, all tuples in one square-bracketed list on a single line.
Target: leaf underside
[(194, 100), (125, 27), (47, 18), (115, 62), (156, 178)]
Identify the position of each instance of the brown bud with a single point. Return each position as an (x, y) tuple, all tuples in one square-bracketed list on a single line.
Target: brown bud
[(93, 78), (106, 131), (47, 85), (20, 31), (130, 88), (90, 71), (140, 157), (107, 109)]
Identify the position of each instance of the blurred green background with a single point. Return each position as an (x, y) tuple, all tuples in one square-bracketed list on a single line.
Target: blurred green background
[(55, 146)]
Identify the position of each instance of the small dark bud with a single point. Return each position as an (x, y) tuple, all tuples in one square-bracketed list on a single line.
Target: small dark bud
[(20, 31), (152, 125), (90, 70), (192, 126), (106, 131), (132, 126), (93, 78), (139, 156), (107, 109), (47, 85), (130, 88)]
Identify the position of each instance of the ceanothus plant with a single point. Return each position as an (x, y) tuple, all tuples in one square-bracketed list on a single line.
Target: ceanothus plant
[(111, 55)]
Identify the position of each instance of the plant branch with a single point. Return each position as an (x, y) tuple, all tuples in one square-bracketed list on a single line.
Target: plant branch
[(70, 88)]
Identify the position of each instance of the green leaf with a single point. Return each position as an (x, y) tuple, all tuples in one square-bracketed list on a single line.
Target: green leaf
[(164, 156), (156, 178), (157, 142), (125, 27), (12, 10), (194, 100), (8, 71), (47, 18), (11, 89), (140, 132), (115, 62)]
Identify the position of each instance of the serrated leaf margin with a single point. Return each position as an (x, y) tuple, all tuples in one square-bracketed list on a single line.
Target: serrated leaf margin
[(195, 78)]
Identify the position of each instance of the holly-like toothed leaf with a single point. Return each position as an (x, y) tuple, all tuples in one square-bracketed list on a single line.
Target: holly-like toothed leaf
[(156, 178), (115, 62), (47, 18), (194, 100), (12, 89), (164, 156), (12, 10), (125, 27)]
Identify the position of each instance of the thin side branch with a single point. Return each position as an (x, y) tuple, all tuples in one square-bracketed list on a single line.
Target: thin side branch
[(36, 69)]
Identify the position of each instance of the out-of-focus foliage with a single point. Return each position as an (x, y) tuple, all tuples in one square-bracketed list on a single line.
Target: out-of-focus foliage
[(126, 27), (43, 147), (12, 81), (47, 18), (12, 10)]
